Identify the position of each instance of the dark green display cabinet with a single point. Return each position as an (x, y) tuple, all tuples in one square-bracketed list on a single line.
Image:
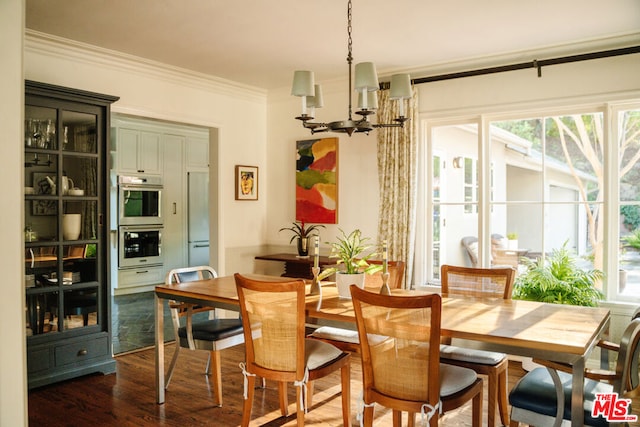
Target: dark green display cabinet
[(66, 260)]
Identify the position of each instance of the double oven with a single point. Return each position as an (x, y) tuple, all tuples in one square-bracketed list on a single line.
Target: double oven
[(140, 221)]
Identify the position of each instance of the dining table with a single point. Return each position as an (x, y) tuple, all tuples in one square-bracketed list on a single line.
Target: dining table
[(559, 333)]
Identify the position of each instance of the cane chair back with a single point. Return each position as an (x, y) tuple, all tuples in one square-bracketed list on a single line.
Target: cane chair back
[(396, 275), (480, 283), (400, 350), (273, 315), (477, 282)]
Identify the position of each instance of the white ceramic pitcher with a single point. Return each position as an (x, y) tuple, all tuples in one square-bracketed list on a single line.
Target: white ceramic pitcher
[(67, 184)]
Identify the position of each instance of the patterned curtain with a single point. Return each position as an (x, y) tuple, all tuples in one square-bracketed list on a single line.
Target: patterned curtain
[(397, 175)]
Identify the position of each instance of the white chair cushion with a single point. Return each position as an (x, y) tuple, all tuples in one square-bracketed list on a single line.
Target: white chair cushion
[(336, 334), (318, 353), (344, 335), (455, 378), (481, 357)]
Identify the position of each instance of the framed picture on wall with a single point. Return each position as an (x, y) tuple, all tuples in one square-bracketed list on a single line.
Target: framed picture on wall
[(246, 182), (317, 180)]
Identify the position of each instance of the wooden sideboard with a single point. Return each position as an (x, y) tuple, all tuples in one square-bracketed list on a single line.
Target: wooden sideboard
[(297, 266)]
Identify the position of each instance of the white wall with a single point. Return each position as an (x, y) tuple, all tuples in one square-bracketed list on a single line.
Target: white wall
[(13, 380)]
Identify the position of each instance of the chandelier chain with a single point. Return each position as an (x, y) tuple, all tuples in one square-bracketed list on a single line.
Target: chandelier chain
[(349, 28), (349, 57)]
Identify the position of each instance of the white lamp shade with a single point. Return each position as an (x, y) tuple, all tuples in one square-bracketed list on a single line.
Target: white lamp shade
[(366, 77), (400, 86), (316, 101), (302, 83), (372, 100)]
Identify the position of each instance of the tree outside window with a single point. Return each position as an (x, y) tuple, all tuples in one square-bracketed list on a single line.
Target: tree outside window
[(552, 180)]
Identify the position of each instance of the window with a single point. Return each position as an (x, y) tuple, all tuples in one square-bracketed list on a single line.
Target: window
[(453, 201), (470, 185), (552, 177), (629, 203)]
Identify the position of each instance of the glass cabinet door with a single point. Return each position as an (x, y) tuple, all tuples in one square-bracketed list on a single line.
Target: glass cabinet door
[(63, 213)]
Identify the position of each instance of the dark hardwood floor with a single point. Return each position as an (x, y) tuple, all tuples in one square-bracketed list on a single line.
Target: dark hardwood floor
[(127, 398)]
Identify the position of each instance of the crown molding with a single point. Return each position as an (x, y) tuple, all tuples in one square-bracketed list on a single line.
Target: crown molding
[(58, 47)]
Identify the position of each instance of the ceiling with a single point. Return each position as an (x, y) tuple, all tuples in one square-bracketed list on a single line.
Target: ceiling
[(260, 43)]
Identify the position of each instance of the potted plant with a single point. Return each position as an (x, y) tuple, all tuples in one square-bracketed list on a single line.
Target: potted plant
[(512, 241), (557, 280), (352, 262), (302, 233)]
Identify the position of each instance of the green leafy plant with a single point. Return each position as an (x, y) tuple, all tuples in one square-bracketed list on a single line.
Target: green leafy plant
[(349, 249), (300, 230), (512, 236), (633, 239), (558, 280), (91, 251), (631, 215)]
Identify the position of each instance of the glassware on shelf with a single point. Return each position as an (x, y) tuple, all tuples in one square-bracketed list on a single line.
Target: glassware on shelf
[(28, 133), (30, 235), (33, 134), (50, 135), (65, 140)]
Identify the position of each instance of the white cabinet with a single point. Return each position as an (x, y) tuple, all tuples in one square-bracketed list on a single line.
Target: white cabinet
[(149, 147), (174, 237), (197, 150), (136, 277), (138, 151)]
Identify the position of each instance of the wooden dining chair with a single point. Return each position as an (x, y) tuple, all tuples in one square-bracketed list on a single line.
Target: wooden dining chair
[(210, 334), (480, 283), (347, 339), (273, 315), (401, 369), (543, 395)]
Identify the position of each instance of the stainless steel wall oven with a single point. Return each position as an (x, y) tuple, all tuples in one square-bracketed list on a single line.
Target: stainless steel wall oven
[(139, 200), (140, 246)]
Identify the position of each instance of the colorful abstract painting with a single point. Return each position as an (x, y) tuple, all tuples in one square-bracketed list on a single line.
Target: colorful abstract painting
[(317, 181)]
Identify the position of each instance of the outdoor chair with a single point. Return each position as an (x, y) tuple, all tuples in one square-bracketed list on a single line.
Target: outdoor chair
[(500, 257), (480, 283), (273, 315)]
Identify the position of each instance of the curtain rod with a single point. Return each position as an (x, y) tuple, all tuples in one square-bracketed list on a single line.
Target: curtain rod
[(536, 63)]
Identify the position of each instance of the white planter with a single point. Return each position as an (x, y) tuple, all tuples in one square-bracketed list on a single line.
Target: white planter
[(512, 245), (71, 224), (343, 281)]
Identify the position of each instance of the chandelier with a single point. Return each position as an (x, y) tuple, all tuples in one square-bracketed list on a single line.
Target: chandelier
[(366, 85)]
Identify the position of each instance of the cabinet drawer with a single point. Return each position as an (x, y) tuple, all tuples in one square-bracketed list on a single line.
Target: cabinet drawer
[(80, 351), (140, 276)]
